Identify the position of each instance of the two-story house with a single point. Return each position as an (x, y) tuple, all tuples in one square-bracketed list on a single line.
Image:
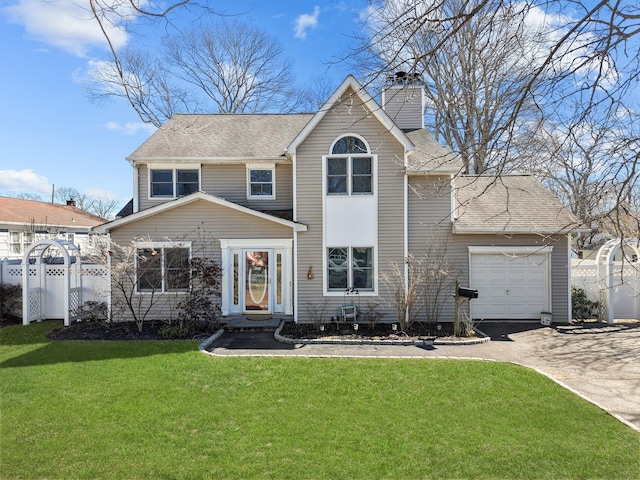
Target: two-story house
[(306, 209)]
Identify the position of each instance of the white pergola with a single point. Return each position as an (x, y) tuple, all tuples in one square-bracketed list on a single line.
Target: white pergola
[(605, 259), (34, 280)]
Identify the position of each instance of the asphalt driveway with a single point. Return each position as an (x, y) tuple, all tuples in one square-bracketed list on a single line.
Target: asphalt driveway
[(600, 362)]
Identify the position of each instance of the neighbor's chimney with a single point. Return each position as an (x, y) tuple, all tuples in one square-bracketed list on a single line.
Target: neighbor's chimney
[(403, 100), (71, 202)]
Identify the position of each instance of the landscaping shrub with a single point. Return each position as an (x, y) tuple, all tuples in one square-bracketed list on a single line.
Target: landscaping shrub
[(581, 307), (92, 311), (10, 300)]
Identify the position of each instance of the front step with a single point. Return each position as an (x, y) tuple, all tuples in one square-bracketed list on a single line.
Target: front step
[(244, 324)]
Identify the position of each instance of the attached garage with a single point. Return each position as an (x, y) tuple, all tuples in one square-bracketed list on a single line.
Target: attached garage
[(513, 283)]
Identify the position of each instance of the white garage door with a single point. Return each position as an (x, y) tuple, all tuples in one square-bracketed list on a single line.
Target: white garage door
[(511, 284)]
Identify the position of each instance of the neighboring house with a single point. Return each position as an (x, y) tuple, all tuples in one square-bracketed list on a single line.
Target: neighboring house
[(308, 209), (24, 221)]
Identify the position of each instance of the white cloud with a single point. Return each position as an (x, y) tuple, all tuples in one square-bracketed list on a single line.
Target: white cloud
[(100, 193), (65, 24), (130, 128), (305, 22), (24, 181)]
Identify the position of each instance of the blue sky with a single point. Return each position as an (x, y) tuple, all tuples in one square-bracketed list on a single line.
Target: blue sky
[(52, 133)]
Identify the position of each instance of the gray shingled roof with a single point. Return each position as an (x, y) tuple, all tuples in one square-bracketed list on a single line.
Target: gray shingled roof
[(429, 156), (222, 136), (510, 204)]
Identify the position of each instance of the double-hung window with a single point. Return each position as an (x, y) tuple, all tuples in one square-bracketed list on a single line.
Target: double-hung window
[(261, 182), (349, 168), (20, 241), (173, 182), (350, 267), (162, 268)]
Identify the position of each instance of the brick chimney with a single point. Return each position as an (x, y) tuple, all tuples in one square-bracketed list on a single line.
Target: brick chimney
[(403, 100)]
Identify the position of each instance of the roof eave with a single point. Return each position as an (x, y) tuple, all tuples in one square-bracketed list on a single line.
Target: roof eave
[(211, 160), (170, 205), (501, 231)]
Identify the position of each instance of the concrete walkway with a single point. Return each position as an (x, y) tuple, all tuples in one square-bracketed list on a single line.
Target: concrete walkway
[(599, 362)]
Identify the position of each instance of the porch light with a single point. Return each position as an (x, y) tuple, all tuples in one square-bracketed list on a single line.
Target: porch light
[(310, 273)]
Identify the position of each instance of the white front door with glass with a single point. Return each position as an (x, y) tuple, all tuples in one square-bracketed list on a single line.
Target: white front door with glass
[(256, 281), (257, 277)]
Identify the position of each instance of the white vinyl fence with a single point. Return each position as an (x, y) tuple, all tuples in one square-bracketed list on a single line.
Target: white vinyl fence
[(617, 288), (94, 284)]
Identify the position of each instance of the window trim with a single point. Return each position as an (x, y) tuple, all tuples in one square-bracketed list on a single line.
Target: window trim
[(261, 166), (159, 246), (174, 175)]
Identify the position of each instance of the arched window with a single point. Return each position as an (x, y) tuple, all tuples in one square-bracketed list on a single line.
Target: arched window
[(349, 168), (349, 145)]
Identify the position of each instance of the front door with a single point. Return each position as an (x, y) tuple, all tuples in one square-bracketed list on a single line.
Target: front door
[(257, 281)]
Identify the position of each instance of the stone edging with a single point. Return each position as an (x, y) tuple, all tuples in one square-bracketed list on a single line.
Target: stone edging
[(204, 346)]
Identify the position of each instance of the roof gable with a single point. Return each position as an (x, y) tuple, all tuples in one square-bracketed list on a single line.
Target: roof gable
[(194, 197), (350, 84)]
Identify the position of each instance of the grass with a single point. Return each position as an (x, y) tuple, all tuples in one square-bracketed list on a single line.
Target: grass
[(162, 410)]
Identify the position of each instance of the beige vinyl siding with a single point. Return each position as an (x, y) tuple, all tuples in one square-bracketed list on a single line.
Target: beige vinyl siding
[(229, 181), (429, 212), (202, 223), (347, 118)]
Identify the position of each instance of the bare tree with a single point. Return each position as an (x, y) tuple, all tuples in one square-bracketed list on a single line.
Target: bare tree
[(117, 17), (473, 83), (503, 77), (103, 207), (225, 68), (64, 194), (239, 68)]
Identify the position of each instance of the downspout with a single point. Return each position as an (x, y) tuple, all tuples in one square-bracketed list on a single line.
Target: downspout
[(295, 277), (136, 180), (569, 274), (295, 237), (406, 234)]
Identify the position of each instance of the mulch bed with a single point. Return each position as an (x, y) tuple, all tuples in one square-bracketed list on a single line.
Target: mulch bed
[(378, 331), (117, 331), (152, 331)]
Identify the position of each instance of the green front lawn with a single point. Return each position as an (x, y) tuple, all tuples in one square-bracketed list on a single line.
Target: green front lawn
[(162, 410)]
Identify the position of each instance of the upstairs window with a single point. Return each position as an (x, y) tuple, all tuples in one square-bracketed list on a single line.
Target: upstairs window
[(261, 182), (173, 183), (349, 168)]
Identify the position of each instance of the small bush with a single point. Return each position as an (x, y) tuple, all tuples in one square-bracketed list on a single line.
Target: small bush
[(171, 332), (581, 307), (10, 300), (372, 314), (92, 311)]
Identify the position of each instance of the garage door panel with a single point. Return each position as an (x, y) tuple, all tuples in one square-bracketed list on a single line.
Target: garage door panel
[(509, 286)]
